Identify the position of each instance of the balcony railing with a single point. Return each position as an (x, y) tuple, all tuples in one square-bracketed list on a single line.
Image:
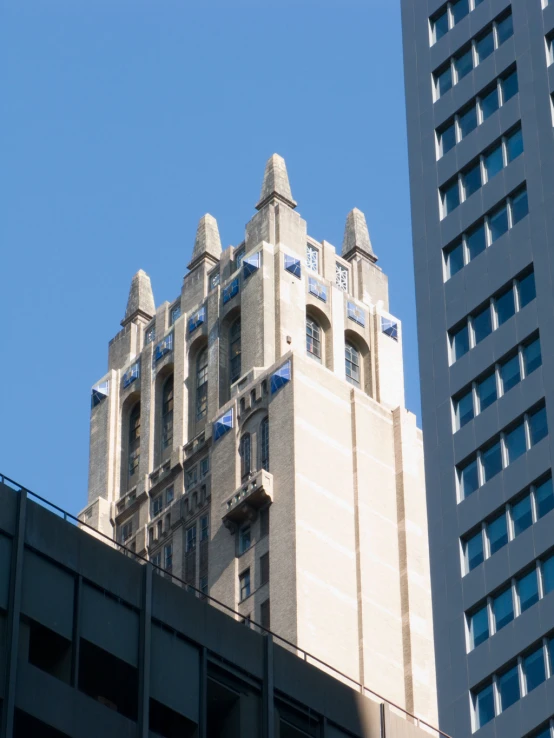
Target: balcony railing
[(243, 505)]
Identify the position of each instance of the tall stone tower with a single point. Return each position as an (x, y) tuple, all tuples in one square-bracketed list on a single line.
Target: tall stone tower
[(251, 437)]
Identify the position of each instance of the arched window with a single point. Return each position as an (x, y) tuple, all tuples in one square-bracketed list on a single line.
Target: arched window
[(134, 439), (352, 364), (264, 443), (245, 450), (202, 384), (313, 339), (167, 413), (234, 351)]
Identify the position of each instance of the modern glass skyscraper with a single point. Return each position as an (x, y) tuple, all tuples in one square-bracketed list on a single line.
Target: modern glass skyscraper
[(480, 104)]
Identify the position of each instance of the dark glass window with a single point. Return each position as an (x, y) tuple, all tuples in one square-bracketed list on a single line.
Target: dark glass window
[(469, 479), (505, 29), (134, 440), (548, 575), (492, 461), (494, 162), (443, 81), (440, 25), (516, 444), (454, 260), (544, 497), (509, 86), (484, 706), (479, 627), (514, 145), (528, 590), (505, 306), (464, 409), (489, 104), (244, 583), (534, 669), (450, 197), (485, 46), (497, 531), (245, 451), (538, 427), (167, 413), (510, 374), (527, 291), (447, 139), (464, 64), (520, 207), (522, 516), (235, 351), (498, 222), (474, 551), (468, 121), (482, 324), (313, 339), (264, 433), (476, 241), (508, 688), (486, 389), (472, 180), (202, 384), (503, 609), (459, 10)]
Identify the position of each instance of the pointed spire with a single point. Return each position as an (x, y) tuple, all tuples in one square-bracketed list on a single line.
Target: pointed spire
[(207, 242), (141, 299), (276, 183), (356, 236)]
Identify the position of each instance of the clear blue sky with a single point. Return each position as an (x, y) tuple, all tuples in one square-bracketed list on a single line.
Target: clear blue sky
[(123, 122)]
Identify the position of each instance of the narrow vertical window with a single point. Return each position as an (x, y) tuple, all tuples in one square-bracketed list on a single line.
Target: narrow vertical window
[(264, 436), (167, 413), (244, 585), (341, 277), (312, 258), (202, 385), (352, 364), (313, 339), (235, 351), (245, 451), (134, 440)]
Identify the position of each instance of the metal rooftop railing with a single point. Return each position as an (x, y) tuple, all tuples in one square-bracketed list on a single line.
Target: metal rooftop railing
[(300, 652)]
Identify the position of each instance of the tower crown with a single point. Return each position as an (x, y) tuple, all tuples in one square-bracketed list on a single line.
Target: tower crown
[(276, 183), (356, 237), (140, 302), (207, 243)]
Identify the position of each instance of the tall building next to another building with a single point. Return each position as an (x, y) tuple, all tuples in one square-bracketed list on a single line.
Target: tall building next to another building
[(480, 104), (251, 437)]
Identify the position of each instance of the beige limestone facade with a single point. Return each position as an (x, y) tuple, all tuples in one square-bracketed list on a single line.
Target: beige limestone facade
[(251, 437)]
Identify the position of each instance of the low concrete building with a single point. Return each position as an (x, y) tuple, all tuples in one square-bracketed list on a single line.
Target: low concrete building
[(251, 438), (94, 644)]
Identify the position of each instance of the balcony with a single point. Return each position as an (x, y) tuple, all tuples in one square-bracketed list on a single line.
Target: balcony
[(245, 502)]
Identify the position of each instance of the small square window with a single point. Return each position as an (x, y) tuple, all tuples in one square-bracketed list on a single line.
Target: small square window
[(534, 669), (478, 627), (505, 29), (450, 197), (447, 139), (459, 342), (544, 497), (482, 324), (498, 222), (538, 428), (485, 46), (484, 706), (473, 551), (505, 306), (486, 391), (440, 25), (443, 81), (497, 532), (460, 9), (244, 585), (526, 288), (468, 121), (520, 207), (516, 444), (528, 590), (463, 409), (503, 609), (389, 328), (489, 104), (463, 64), (508, 688), (510, 374), (491, 459), (454, 260), (476, 240), (494, 162), (472, 180), (469, 479), (292, 266), (522, 515)]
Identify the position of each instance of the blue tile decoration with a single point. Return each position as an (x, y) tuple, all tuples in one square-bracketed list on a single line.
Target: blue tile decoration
[(223, 425), (100, 392), (292, 265), (389, 328), (231, 290), (355, 313), (164, 347), (317, 289), (250, 265), (132, 373), (280, 377), (197, 319)]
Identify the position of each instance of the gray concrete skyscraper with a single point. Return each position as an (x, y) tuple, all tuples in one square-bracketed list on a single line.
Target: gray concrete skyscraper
[(480, 102)]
